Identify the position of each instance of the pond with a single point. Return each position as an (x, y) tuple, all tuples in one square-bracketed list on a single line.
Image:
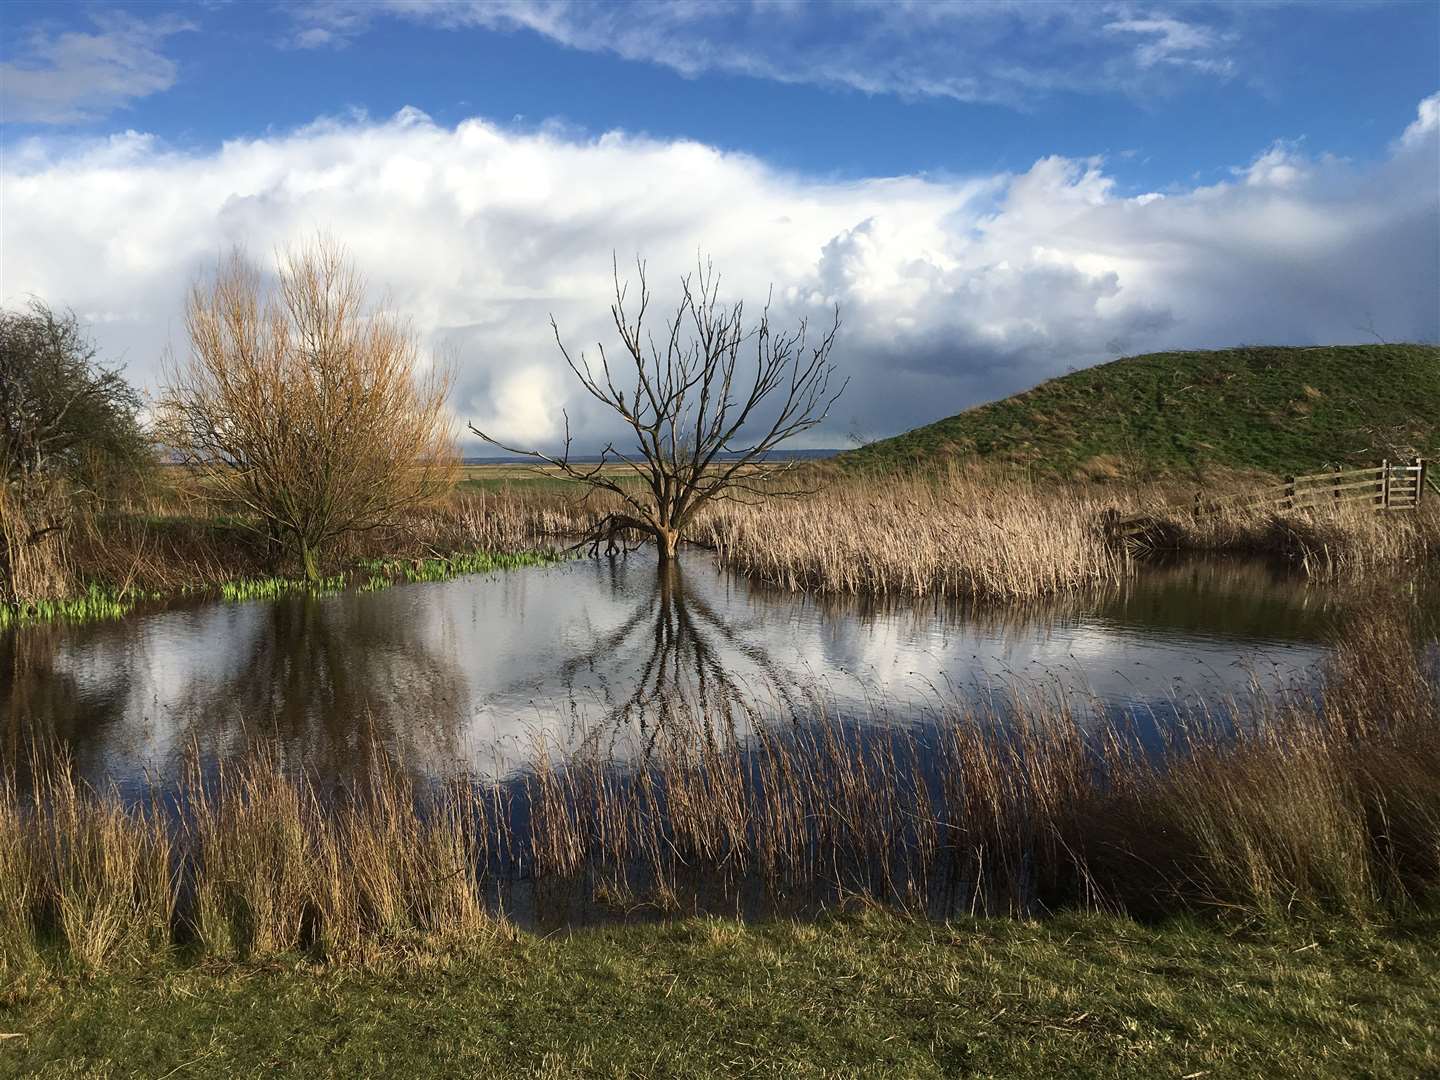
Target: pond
[(463, 676)]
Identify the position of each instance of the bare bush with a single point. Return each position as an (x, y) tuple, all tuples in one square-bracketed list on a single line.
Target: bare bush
[(304, 405)]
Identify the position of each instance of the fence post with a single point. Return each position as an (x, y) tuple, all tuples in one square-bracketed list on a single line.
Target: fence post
[(1335, 485), (1419, 481), (1385, 484), (1289, 493)]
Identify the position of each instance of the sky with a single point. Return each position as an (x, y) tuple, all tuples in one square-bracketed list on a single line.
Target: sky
[(991, 193)]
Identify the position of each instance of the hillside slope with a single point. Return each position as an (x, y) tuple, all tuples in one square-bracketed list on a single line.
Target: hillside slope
[(1270, 408)]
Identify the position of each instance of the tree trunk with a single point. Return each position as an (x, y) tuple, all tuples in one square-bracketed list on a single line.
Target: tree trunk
[(667, 541), (307, 559)]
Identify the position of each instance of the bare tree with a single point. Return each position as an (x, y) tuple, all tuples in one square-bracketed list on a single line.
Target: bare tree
[(304, 405), (707, 405)]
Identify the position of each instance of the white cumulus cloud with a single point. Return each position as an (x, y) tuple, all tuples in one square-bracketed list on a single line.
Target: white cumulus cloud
[(951, 290), (1426, 123)]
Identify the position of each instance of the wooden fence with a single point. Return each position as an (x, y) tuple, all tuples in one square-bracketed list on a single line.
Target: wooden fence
[(1388, 486)]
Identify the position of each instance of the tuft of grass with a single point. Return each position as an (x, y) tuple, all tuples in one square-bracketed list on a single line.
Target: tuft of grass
[(373, 574), (442, 568), (96, 603), (86, 877), (270, 588)]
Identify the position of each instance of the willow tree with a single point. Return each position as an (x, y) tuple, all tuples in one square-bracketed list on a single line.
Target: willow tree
[(707, 404), (305, 404)]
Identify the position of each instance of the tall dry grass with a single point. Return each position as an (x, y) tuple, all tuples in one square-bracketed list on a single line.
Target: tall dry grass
[(977, 531), (247, 862), (1286, 807), (1327, 542), (35, 558), (961, 532)]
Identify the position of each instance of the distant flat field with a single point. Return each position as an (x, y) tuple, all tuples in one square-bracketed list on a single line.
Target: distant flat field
[(492, 476)]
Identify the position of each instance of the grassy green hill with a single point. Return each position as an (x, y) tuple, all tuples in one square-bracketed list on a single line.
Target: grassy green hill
[(1268, 408)]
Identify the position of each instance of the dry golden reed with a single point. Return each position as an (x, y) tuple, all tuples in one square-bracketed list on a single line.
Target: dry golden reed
[(35, 562), (977, 531), (960, 533), (1348, 539)]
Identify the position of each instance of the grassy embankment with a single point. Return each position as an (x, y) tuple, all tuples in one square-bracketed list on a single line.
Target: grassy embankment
[(1269, 409)]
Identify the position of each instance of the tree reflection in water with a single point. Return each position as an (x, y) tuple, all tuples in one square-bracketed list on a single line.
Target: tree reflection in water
[(42, 709), (327, 684), (680, 655), (472, 674), (332, 684)]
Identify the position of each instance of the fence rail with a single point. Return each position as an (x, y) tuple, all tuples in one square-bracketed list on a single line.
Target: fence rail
[(1387, 486)]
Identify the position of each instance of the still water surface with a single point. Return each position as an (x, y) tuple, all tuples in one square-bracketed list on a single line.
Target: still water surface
[(463, 675)]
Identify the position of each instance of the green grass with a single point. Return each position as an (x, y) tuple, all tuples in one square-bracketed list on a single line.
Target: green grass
[(374, 574), (99, 602), (95, 603), (1272, 409), (382, 573), (861, 995), (441, 569), (270, 588)]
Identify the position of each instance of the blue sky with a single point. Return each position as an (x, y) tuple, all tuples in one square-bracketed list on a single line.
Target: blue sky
[(973, 184), (1339, 76)]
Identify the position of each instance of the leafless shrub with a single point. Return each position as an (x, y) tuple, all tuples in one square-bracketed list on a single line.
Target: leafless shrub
[(303, 406)]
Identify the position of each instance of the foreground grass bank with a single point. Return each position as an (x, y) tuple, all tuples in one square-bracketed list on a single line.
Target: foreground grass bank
[(860, 995)]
